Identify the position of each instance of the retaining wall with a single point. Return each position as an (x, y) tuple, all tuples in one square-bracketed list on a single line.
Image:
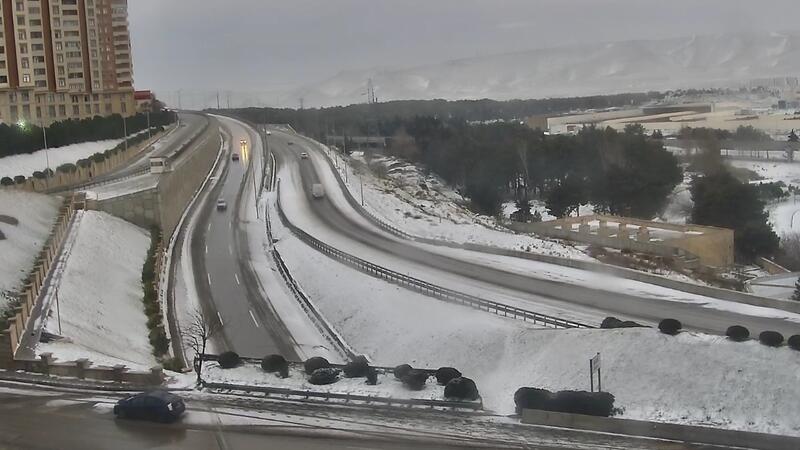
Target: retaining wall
[(17, 324), (659, 430), (83, 369)]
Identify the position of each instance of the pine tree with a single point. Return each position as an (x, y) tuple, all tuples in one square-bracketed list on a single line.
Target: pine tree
[(796, 295)]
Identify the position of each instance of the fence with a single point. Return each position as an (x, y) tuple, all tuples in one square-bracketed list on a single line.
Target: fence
[(424, 287), (31, 296)]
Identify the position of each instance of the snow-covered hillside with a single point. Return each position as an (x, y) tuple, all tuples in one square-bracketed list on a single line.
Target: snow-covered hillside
[(601, 68), (24, 240), (100, 295)]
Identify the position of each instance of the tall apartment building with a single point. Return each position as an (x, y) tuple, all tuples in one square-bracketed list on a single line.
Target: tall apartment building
[(62, 59)]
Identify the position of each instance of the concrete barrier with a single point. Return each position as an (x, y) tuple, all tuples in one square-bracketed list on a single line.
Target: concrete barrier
[(660, 430), (83, 369)]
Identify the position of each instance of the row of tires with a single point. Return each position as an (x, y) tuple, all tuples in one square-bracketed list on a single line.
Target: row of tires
[(736, 333), (321, 372)]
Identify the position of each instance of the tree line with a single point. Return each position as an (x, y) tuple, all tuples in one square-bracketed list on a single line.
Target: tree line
[(18, 139)]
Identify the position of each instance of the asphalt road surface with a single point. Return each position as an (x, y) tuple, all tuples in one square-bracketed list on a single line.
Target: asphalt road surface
[(563, 295), (220, 254)]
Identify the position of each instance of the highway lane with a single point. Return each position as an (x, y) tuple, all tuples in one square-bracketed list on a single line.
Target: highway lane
[(220, 253), (190, 123), (563, 295)]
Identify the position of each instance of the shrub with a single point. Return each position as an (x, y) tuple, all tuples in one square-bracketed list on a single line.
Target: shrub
[(372, 376), (461, 388), (613, 322), (84, 163), (283, 372), (445, 374), (6, 181), (358, 367), (273, 363), (39, 175), (67, 168), (228, 360), (737, 333), (324, 375), (314, 363), (531, 398), (20, 179), (159, 341), (582, 402), (771, 338), (402, 370), (172, 364), (670, 326), (415, 379), (794, 342)]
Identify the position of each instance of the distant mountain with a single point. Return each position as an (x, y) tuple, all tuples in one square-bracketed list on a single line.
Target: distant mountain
[(604, 68)]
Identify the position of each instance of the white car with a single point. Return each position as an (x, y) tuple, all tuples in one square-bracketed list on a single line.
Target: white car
[(222, 205), (304, 155)]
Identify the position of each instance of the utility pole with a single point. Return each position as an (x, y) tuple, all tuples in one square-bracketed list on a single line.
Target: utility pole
[(58, 311), (125, 132), (179, 99), (46, 156), (149, 132), (302, 100), (361, 180), (229, 99), (217, 99)]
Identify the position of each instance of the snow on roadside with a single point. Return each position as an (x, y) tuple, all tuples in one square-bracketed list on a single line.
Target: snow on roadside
[(24, 240), (26, 164), (100, 296), (692, 378), (422, 205)]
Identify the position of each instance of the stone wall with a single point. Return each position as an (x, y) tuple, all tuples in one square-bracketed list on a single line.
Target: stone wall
[(139, 208), (83, 369)]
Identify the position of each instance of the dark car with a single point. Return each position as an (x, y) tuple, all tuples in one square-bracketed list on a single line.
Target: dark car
[(156, 406)]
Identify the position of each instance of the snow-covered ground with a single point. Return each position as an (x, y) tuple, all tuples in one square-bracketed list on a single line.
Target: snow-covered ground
[(100, 295), (36, 214), (435, 211), (691, 378), (783, 215), (25, 165)]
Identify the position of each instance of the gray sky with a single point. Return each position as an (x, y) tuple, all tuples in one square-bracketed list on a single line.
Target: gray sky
[(266, 45)]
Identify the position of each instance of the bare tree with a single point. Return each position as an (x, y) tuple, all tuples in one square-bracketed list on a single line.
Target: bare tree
[(196, 336)]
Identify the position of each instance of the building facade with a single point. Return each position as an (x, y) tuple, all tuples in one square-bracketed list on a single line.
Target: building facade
[(64, 59)]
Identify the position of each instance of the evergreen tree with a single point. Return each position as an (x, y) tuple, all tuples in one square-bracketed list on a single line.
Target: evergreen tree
[(796, 294)]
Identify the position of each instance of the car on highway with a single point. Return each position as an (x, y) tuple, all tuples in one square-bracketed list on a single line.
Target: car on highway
[(222, 205), (304, 155), (317, 191), (155, 406), (235, 156)]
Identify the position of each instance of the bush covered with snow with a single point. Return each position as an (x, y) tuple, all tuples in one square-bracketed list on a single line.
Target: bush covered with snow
[(6, 181), (613, 322), (274, 363), (794, 342), (324, 375), (737, 333), (461, 388), (229, 360), (314, 363), (670, 326), (445, 374), (571, 402), (531, 398), (415, 379), (358, 367), (402, 370), (771, 338)]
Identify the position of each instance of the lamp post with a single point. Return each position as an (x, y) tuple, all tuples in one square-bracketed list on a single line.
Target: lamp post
[(47, 171)]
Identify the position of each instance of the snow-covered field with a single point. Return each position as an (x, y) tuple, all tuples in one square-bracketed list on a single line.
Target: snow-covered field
[(435, 211), (100, 295), (25, 165), (36, 214)]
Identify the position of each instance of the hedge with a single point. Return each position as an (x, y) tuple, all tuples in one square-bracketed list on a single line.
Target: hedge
[(670, 326), (402, 370), (229, 360), (415, 379), (152, 307), (771, 338), (572, 402), (314, 363), (794, 342), (737, 333), (324, 375), (359, 367), (445, 374), (274, 363), (461, 388)]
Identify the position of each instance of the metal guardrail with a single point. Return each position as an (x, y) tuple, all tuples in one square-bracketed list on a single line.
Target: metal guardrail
[(424, 287), (227, 388), (317, 319)]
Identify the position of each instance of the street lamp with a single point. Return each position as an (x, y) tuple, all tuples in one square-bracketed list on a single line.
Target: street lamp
[(23, 126)]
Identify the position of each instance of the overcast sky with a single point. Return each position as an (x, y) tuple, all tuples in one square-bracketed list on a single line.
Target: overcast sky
[(266, 45)]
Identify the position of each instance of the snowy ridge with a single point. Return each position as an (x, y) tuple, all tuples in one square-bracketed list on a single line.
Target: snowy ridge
[(601, 68)]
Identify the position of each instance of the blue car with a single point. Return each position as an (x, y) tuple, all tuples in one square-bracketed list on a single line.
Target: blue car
[(156, 406)]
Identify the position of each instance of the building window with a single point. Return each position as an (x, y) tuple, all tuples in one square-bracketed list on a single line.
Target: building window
[(59, 46), (51, 111), (108, 108), (38, 112), (62, 110), (23, 49), (26, 78), (22, 35), (76, 111), (25, 97), (62, 82), (24, 62), (123, 107)]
